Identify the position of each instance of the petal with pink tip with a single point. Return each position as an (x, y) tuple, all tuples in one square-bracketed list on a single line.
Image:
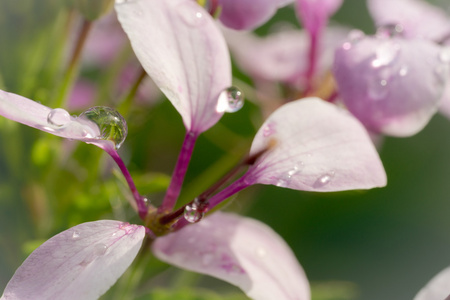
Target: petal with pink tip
[(386, 87), (437, 289), (248, 14), (181, 48), (55, 121), (315, 146), (417, 18), (314, 14), (82, 262), (241, 251)]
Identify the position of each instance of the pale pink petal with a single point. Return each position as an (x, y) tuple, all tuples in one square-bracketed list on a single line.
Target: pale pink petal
[(82, 262), (55, 121), (241, 251), (314, 14), (315, 146), (437, 289), (387, 87), (181, 48), (418, 18), (282, 56), (248, 14)]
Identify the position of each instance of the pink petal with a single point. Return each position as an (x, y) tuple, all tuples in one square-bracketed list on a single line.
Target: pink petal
[(181, 48), (386, 86), (318, 147), (418, 18), (437, 289), (281, 56), (79, 263), (314, 14), (248, 14), (55, 121), (241, 251)]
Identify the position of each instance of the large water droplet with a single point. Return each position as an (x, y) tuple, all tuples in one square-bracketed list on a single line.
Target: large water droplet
[(324, 180), (389, 31), (230, 100), (58, 117), (192, 215), (100, 249), (190, 13), (111, 124)]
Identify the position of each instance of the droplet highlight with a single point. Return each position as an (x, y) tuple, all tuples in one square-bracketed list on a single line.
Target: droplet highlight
[(191, 14), (324, 180), (230, 100), (75, 235), (390, 30), (285, 179), (58, 117), (111, 124), (100, 249)]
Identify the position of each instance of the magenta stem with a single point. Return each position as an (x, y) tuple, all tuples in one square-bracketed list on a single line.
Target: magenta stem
[(170, 199), (140, 202), (312, 59), (221, 196)]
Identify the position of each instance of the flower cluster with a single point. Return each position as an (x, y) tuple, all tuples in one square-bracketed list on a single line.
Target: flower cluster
[(341, 89)]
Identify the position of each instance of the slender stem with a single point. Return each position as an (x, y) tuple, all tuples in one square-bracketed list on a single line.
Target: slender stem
[(312, 59), (70, 75), (179, 173), (142, 207), (218, 198), (128, 99)]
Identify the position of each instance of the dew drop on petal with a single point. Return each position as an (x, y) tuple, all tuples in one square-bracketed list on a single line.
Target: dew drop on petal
[(191, 14), (389, 31), (269, 129), (285, 179), (230, 100), (324, 180), (111, 124), (192, 214), (58, 117), (100, 249), (355, 36), (75, 235)]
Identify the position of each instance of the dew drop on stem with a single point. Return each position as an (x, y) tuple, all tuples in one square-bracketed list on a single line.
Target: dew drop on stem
[(58, 117)]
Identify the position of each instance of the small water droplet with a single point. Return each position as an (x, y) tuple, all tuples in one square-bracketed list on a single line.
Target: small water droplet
[(324, 179), (389, 31), (192, 214), (355, 36), (286, 178), (123, 1), (378, 89), (58, 117), (260, 252), (230, 100), (75, 235), (111, 124), (269, 129), (191, 14), (403, 71), (100, 249)]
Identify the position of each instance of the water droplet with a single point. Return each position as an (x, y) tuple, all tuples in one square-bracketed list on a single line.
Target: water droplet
[(444, 55), (75, 235), (385, 54), (230, 100), (355, 36), (58, 117), (324, 180), (123, 1), (111, 124), (260, 252), (100, 249), (378, 89), (286, 178), (403, 71), (389, 31), (191, 214), (190, 13), (269, 129)]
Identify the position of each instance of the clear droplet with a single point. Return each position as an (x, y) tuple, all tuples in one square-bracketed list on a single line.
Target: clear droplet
[(355, 36), (190, 13), (385, 54), (111, 124), (192, 214), (324, 179), (75, 235), (100, 249), (230, 100), (286, 178), (403, 71), (268, 130), (58, 117), (389, 31)]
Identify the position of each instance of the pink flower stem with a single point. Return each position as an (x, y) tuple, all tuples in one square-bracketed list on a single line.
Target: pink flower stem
[(179, 173), (312, 60), (140, 202)]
